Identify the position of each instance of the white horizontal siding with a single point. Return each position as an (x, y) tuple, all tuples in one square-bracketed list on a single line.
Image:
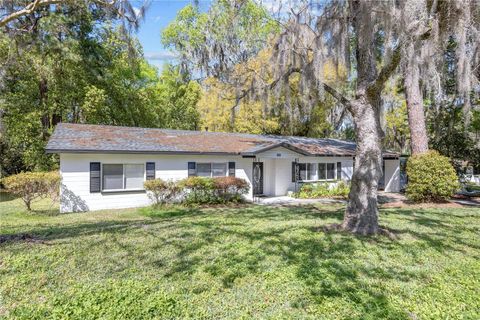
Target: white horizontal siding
[(75, 171)]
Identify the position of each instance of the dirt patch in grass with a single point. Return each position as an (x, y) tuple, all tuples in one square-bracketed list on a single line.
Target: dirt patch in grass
[(24, 237)]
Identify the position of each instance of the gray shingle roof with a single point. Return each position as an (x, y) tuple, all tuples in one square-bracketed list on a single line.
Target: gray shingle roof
[(69, 137)]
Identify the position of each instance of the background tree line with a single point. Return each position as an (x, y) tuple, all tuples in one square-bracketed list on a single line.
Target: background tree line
[(433, 89), (74, 62)]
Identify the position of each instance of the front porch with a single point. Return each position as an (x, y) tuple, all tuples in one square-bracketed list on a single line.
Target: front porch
[(273, 172)]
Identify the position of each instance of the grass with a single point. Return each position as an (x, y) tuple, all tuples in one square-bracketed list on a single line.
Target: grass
[(246, 262)]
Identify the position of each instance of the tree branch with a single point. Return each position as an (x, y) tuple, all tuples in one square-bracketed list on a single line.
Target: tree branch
[(386, 71), (36, 4), (337, 95), (334, 93), (27, 10)]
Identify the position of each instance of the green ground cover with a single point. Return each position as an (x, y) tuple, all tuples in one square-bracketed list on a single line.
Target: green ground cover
[(243, 262)]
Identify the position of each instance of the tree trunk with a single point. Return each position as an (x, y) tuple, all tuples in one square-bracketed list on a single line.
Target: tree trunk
[(463, 62), (45, 119), (361, 215), (414, 97), (415, 20), (28, 204)]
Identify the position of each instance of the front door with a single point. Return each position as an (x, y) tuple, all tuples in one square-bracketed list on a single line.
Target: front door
[(257, 178)]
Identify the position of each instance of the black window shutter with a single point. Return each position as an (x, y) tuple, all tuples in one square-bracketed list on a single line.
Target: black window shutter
[(192, 169), (295, 172), (231, 169), (150, 172), (339, 170), (94, 177)]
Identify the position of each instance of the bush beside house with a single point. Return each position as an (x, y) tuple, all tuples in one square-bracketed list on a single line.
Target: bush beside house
[(33, 185), (231, 189), (200, 190), (431, 177), (197, 190), (339, 189), (161, 192)]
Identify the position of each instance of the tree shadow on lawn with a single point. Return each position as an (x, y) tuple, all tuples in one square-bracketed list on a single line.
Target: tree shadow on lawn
[(435, 228), (5, 196), (323, 265), (229, 244), (163, 212)]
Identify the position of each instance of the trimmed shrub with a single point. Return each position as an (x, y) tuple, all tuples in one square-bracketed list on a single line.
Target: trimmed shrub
[(199, 190), (204, 190), (231, 189), (33, 185), (161, 192), (340, 189), (431, 177)]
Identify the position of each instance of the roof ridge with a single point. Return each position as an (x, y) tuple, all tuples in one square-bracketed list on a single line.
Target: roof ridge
[(268, 136)]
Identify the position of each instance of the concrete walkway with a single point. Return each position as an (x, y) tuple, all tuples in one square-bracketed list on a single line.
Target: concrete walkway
[(286, 200), (384, 198), (468, 202)]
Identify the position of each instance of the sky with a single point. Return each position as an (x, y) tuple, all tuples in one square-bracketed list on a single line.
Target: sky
[(159, 14)]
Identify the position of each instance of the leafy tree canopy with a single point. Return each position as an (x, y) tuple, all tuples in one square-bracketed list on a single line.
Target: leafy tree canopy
[(77, 65)]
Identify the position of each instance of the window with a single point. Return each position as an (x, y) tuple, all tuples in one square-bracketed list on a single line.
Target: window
[(112, 176), (307, 171), (123, 176), (327, 171), (219, 169), (211, 169), (133, 176), (330, 171), (204, 169), (311, 171), (322, 171)]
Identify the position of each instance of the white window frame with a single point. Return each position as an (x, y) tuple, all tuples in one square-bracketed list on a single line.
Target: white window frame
[(123, 177), (211, 168), (326, 171), (317, 173)]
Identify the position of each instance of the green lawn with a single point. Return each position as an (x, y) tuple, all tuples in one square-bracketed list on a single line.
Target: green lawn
[(249, 262)]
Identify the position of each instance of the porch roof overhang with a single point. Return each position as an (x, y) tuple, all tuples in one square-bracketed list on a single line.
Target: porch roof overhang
[(277, 145)]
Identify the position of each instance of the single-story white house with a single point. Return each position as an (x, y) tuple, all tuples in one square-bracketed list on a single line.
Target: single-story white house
[(104, 167)]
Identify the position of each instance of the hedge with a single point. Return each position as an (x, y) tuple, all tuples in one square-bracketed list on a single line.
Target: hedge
[(197, 190)]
